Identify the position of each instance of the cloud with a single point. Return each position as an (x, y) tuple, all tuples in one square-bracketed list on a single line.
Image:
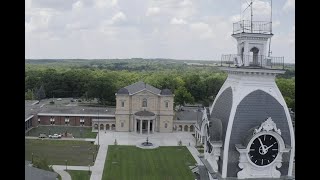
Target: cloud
[(118, 18), (289, 5), (204, 30), (177, 21), (101, 4), (59, 5), (152, 11)]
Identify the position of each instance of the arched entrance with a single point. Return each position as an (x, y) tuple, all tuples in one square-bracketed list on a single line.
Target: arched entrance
[(191, 128), (107, 127), (186, 128), (96, 126), (101, 126), (180, 128), (113, 127), (255, 57)]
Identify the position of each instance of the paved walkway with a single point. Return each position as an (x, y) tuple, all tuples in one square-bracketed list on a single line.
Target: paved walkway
[(60, 169), (195, 154)]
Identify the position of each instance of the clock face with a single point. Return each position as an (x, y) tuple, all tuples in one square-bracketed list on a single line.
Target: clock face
[(263, 150)]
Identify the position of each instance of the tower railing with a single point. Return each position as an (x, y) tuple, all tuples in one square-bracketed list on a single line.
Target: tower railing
[(246, 26), (252, 61)]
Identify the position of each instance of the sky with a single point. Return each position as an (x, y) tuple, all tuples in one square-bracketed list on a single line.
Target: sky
[(175, 29)]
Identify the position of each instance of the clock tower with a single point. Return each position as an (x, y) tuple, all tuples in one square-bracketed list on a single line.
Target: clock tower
[(248, 129)]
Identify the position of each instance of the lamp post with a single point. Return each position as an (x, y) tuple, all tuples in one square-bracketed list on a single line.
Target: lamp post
[(66, 164), (31, 158), (49, 132), (98, 127), (89, 169), (92, 156)]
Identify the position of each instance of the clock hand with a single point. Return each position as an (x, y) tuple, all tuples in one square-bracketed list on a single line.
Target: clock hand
[(270, 146), (264, 150)]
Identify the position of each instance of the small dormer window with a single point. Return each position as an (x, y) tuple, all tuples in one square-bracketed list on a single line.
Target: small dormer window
[(144, 102), (122, 103), (167, 104)]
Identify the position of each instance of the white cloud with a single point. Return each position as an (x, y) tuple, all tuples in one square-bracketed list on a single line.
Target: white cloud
[(105, 3), (152, 11), (177, 21), (77, 5), (119, 17), (289, 5), (203, 30)]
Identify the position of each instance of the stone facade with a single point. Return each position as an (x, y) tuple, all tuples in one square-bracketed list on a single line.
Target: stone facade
[(141, 98)]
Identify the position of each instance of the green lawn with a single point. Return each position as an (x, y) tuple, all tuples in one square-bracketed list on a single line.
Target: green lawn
[(163, 163), (77, 153), (79, 175), (77, 132)]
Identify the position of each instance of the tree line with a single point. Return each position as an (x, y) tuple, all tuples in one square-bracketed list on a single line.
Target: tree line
[(189, 84)]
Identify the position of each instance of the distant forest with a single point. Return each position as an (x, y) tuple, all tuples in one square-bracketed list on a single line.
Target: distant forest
[(192, 81)]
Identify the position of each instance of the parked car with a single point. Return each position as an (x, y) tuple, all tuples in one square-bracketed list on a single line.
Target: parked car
[(42, 136), (59, 99), (55, 136)]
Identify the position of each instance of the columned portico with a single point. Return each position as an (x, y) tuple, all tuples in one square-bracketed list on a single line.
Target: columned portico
[(144, 122)]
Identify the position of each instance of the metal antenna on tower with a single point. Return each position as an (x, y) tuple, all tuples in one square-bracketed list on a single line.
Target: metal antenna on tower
[(269, 53)]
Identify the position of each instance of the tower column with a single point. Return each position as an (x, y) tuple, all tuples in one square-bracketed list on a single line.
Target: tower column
[(140, 126), (153, 124), (135, 125), (149, 126)]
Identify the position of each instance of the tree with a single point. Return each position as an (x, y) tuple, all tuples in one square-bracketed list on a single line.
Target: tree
[(40, 94), (29, 95), (182, 96)]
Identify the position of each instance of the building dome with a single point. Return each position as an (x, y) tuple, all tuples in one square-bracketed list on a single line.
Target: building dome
[(166, 92), (123, 91)]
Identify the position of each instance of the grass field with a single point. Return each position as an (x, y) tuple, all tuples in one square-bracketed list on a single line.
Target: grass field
[(79, 175), (163, 163), (78, 153), (77, 132)]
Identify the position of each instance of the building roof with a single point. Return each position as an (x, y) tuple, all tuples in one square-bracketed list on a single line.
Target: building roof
[(74, 110), (123, 91), (138, 86), (32, 173), (144, 113), (189, 113), (166, 92)]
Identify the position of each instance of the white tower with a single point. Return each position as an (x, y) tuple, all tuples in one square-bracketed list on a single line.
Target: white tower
[(249, 130)]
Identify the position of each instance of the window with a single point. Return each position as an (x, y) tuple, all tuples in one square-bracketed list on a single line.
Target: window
[(52, 120), (165, 125), (122, 103), (167, 104), (144, 102), (66, 120), (82, 121), (121, 124)]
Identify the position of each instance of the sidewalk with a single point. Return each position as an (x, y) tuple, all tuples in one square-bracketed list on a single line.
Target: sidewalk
[(97, 169), (60, 169), (72, 139), (195, 154)]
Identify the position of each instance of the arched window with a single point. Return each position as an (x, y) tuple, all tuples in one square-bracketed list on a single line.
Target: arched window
[(122, 124), (167, 104), (144, 102), (122, 103), (165, 125)]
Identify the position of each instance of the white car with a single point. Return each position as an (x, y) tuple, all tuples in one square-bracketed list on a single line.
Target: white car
[(59, 99), (55, 136)]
